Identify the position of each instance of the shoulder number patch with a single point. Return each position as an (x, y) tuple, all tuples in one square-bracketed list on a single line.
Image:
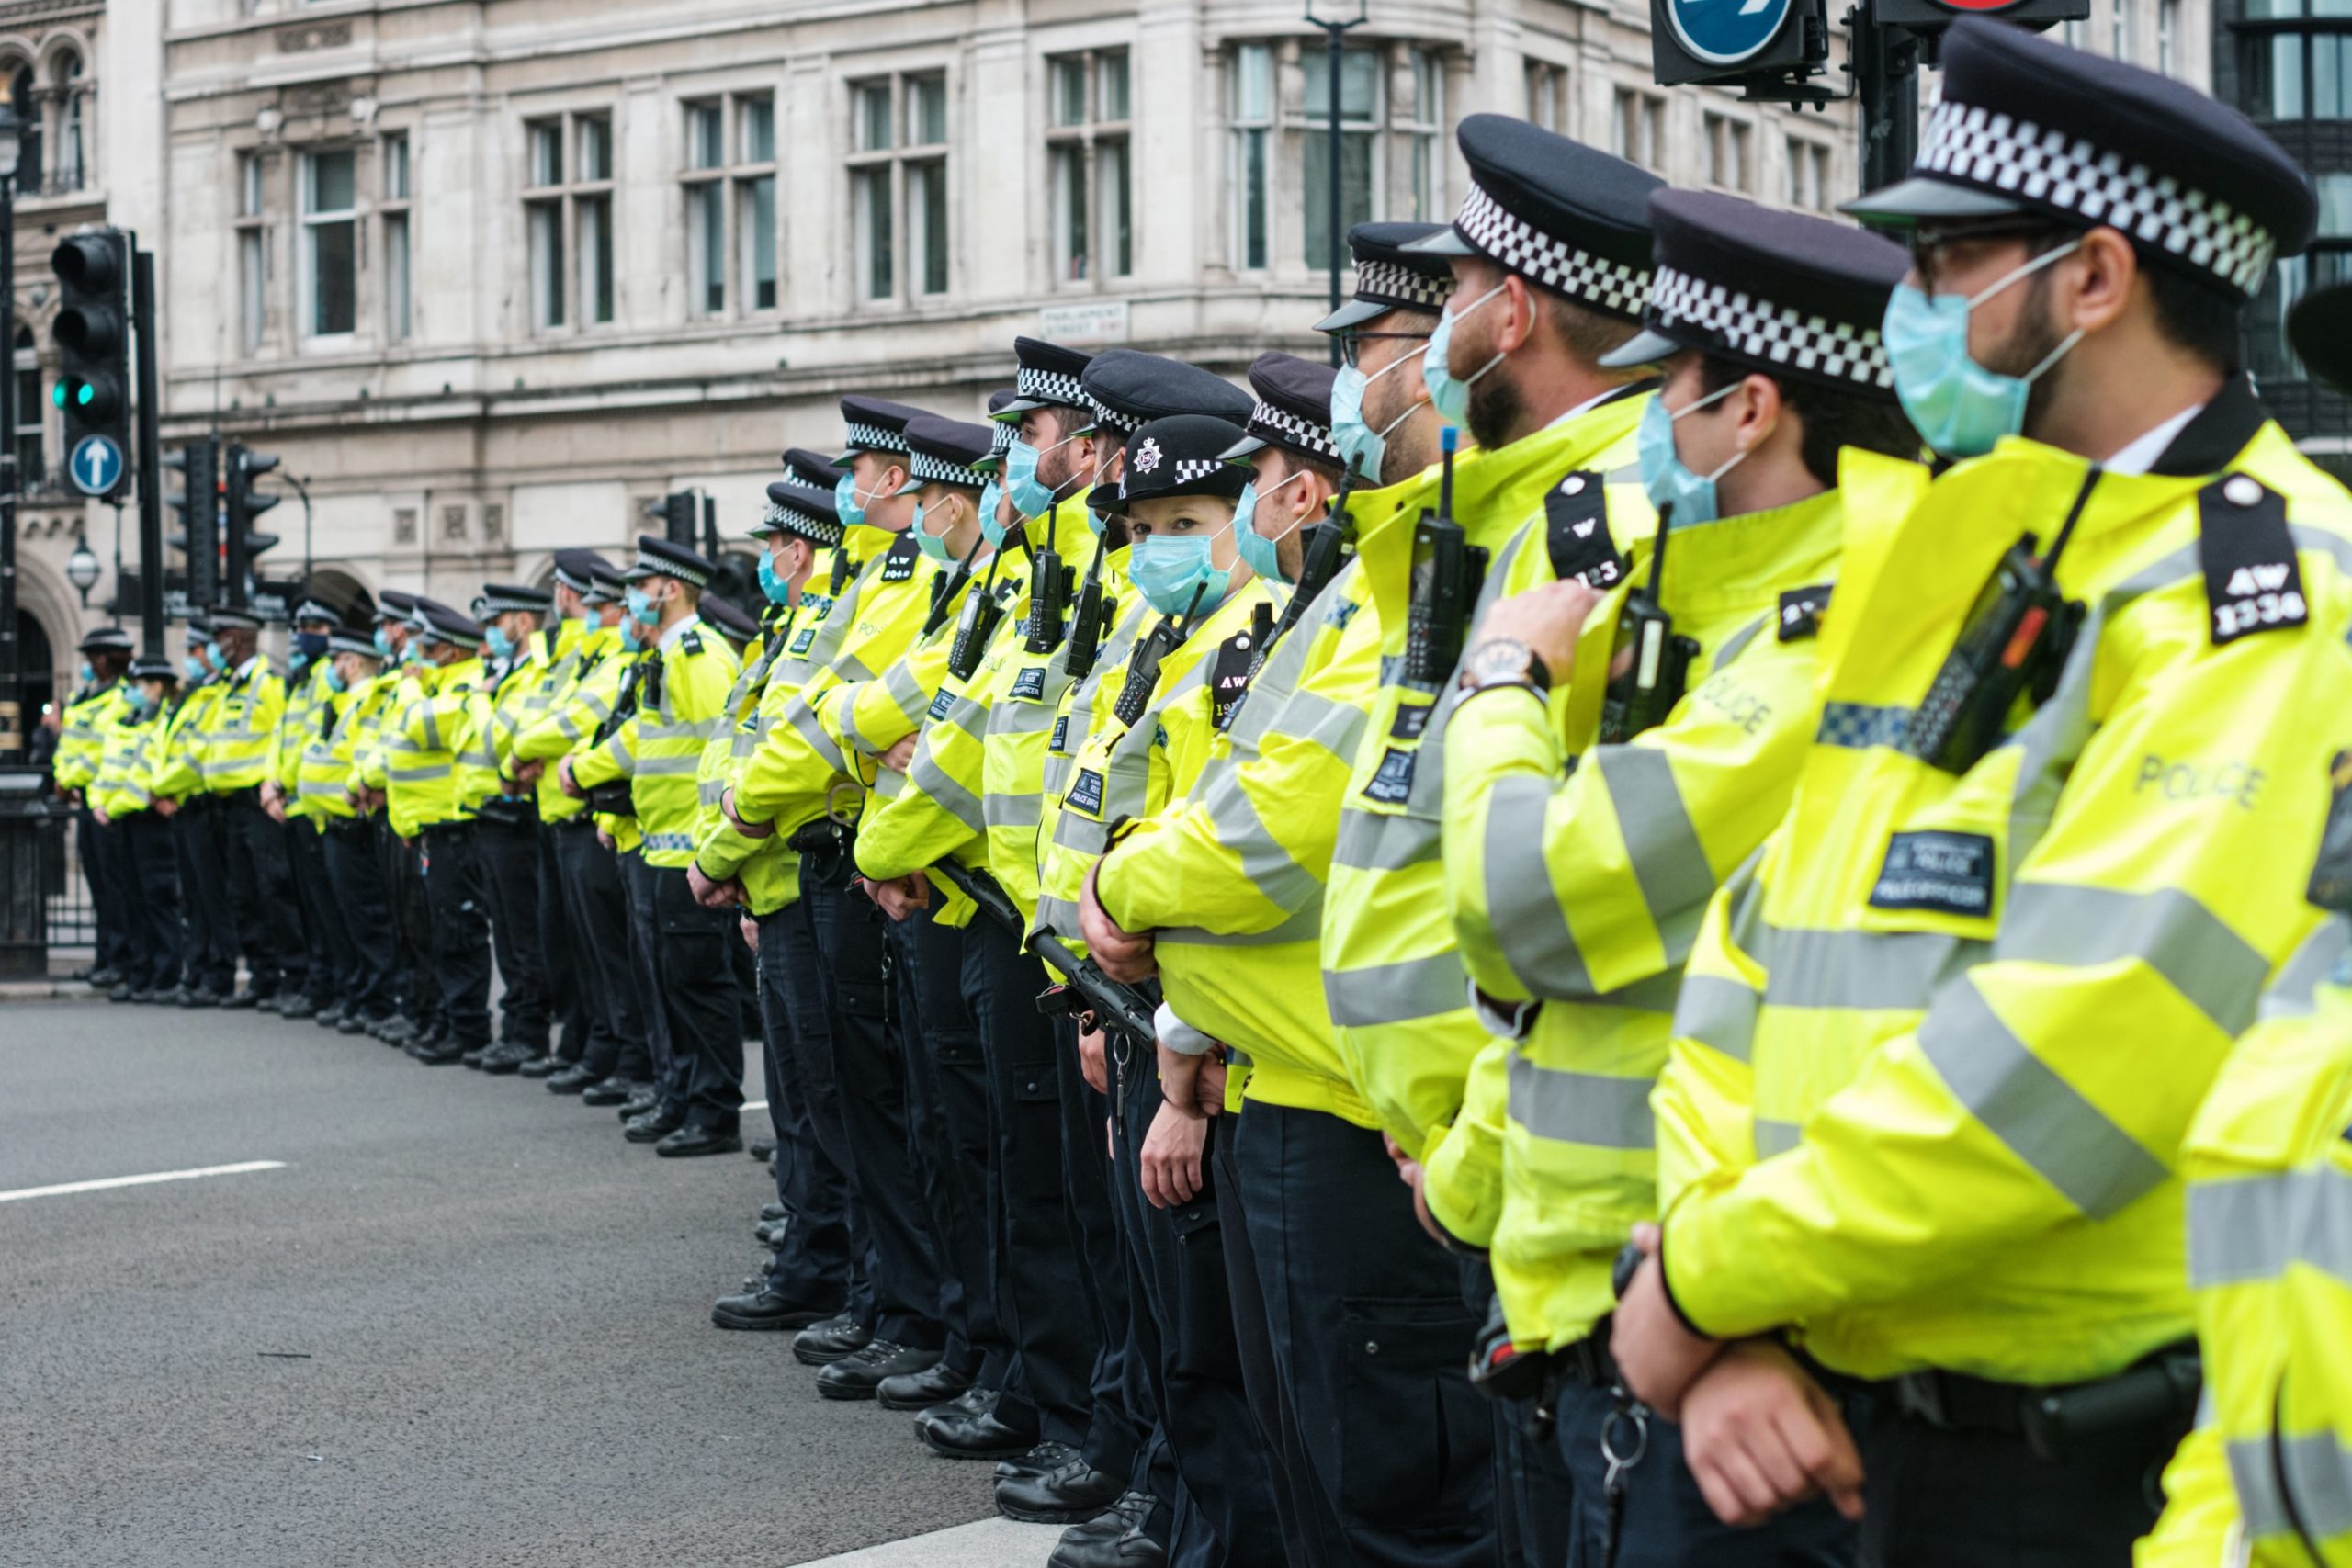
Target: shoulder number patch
[(1801, 611), (2252, 581), (1576, 531), (898, 565), (1951, 874)]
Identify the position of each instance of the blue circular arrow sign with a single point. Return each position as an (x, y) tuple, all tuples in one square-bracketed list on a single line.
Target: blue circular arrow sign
[(1725, 32), (97, 465)]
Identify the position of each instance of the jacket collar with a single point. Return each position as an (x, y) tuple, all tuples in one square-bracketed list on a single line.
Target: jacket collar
[(2222, 428)]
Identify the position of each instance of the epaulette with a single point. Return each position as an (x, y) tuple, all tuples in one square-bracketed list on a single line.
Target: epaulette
[(1230, 670), (899, 561), (2253, 580), (690, 640), (1576, 531), (1801, 611)]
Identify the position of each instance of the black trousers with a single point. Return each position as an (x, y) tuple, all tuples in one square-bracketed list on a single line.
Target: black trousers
[(948, 1118), (1039, 1284), (871, 1072), (568, 1005), (595, 907), (1120, 1415), (354, 857), (420, 996), (644, 977), (1940, 1499), (103, 866), (694, 976), (449, 863), (1373, 1336), (262, 889), (1220, 1448), (212, 944), (821, 1259), (510, 870), (152, 881), (327, 928)]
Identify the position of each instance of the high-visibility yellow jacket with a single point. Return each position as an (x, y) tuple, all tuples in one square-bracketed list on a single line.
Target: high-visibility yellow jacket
[(681, 704), (131, 742), (2269, 1164), (306, 691), (238, 747), (81, 741), (558, 676), (1132, 769), (828, 612), (798, 773), (1231, 877), (433, 765), (945, 811), (865, 719), (323, 773), (1580, 890), (1937, 1047), (522, 697), (1392, 971), (176, 770), (1045, 750), (715, 771)]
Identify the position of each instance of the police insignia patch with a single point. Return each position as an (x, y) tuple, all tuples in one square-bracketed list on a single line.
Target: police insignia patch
[(1030, 684), (1392, 783), (1085, 796), (1951, 874)]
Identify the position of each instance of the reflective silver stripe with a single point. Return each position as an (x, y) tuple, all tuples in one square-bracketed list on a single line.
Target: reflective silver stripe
[(1737, 643), (432, 722), (952, 796), (616, 747), (1859, 970), (1719, 1013), (2085, 927), (1059, 916), (1396, 993), (1523, 908), (1021, 718), (906, 689), (1582, 1107), (2318, 1481), (568, 731), (711, 792), (805, 723), (667, 767), (1015, 810), (1370, 841), (968, 714), (2046, 1123), (1776, 1138), (1299, 925), (1668, 861), (1268, 866), (2252, 1228), (425, 774), (2319, 960), (1317, 721)]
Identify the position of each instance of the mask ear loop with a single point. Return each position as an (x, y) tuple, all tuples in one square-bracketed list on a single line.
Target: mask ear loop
[(1674, 415), (2047, 258)]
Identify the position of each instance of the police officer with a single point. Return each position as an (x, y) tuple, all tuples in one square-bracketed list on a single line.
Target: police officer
[(238, 744), (102, 697), (209, 961), (2024, 898), (1379, 413), (122, 802), (507, 832), (419, 999), (324, 942), (359, 696)]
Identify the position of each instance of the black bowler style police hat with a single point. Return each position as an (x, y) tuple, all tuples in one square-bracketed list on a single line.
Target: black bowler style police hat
[(1773, 291), (576, 568), (155, 670), (1293, 411), (737, 626), (1183, 455), (1390, 276), (802, 467), (875, 424), (947, 451), (2320, 329), (105, 640), (803, 510), (395, 605), (443, 623), (354, 639), (2027, 125), (1127, 390), (1050, 376), (657, 557), (498, 598), (227, 617), (1561, 215)]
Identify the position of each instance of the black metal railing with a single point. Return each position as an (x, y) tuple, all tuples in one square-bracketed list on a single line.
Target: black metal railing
[(44, 896)]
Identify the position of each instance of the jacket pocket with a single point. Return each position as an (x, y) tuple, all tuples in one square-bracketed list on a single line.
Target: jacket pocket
[(1406, 1371)]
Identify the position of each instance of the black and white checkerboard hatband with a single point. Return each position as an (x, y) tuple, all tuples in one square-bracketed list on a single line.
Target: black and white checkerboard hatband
[(1757, 328), (1558, 265)]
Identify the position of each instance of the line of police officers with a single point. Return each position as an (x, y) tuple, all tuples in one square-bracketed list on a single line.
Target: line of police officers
[(1800, 982)]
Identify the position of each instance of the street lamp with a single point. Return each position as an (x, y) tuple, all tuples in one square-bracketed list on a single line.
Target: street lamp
[(82, 568), (1330, 15)]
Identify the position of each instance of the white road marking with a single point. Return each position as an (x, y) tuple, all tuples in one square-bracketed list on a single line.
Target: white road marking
[(148, 1180), (989, 1543)]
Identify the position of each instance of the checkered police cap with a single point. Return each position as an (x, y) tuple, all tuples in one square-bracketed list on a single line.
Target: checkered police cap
[(576, 568), (1558, 264), (1183, 455), (804, 510), (1049, 375), (1293, 409), (1394, 284), (657, 557), (498, 598)]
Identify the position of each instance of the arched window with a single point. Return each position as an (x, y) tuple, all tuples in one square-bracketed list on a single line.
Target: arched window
[(30, 408), (71, 166), (28, 137)]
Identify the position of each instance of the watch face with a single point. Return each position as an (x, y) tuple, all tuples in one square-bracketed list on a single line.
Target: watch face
[(1500, 660)]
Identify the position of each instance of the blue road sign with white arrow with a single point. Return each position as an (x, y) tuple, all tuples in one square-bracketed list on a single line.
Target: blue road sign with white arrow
[(1725, 32), (97, 465)]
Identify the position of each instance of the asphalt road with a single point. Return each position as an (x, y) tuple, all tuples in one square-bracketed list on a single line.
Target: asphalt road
[(466, 1324)]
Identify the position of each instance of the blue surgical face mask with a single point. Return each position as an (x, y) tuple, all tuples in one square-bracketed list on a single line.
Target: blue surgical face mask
[(335, 682), (641, 607), (1264, 554), (1032, 497), (849, 502), (1959, 407), (630, 637), (383, 642), (88, 674), (932, 546), (412, 651), (195, 668), (990, 529), (1362, 448), (1451, 393), (309, 645), (777, 590), (212, 657), (1668, 482), (1174, 574), (499, 645)]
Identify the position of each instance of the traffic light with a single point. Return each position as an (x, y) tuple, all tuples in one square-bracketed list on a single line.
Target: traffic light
[(92, 338), (677, 512), (241, 467), (200, 507), (1934, 16), (1772, 47)]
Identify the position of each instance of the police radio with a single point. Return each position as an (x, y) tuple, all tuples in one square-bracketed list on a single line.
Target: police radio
[(1447, 569), (616, 798), (2015, 641), (1642, 697), (1143, 671), (1048, 593), (841, 567), (976, 626), (1090, 623)]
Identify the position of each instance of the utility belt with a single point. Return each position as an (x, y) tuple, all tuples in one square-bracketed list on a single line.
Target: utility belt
[(1501, 1370), (357, 825), (509, 811), (615, 797), (443, 832), (577, 820), (2158, 1390), (824, 836), (251, 793)]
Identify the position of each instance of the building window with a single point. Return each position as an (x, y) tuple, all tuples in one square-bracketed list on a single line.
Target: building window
[(1638, 129), (253, 256), (730, 204), (2328, 261), (568, 211), (2168, 36), (2289, 74), (329, 249), (897, 174), (1808, 175), (392, 212), (1086, 157), (30, 167), (29, 410), (1548, 103), (71, 167), (2119, 29), (1725, 150), (1250, 112)]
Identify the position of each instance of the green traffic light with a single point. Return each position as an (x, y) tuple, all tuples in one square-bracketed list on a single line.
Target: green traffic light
[(84, 392), (57, 394)]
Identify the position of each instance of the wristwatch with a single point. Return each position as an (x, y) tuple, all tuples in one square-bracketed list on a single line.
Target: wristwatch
[(1504, 661)]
